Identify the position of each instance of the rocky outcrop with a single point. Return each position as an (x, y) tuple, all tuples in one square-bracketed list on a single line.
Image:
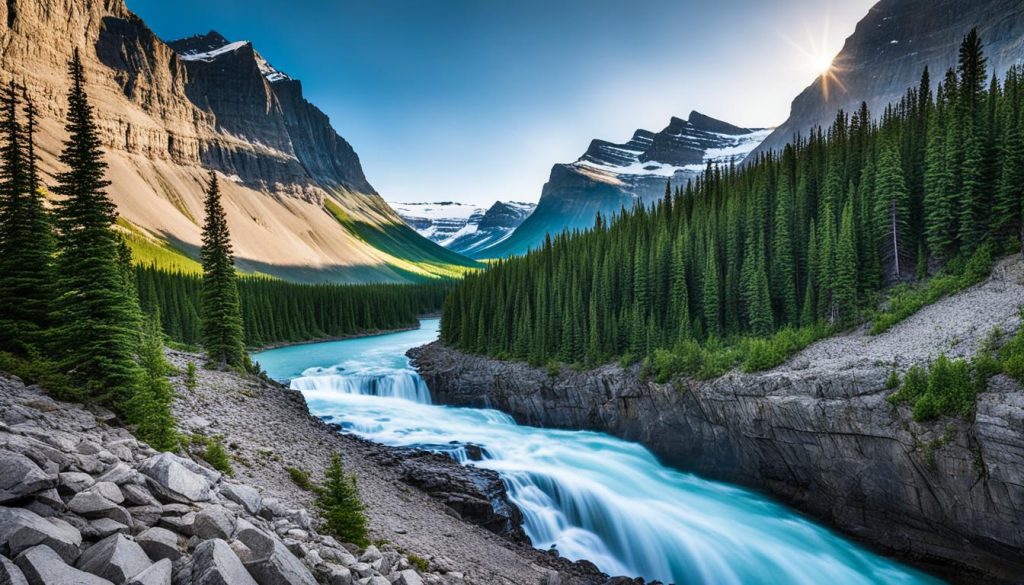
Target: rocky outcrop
[(816, 432), (890, 48), (611, 176)]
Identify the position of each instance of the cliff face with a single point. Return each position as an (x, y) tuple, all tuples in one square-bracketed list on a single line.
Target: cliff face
[(816, 432), (166, 121), (890, 48)]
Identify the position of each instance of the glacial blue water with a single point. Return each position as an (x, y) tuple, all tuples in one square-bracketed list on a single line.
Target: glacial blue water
[(589, 494)]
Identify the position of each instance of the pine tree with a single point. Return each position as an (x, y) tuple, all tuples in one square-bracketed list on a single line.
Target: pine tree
[(845, 286), (892, 209), (712, 304), (149, 409), (97, 334), (221, 311), (26, 237), (340, 505)]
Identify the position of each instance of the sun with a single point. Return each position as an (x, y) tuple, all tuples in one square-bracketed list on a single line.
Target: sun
[(820, 64)]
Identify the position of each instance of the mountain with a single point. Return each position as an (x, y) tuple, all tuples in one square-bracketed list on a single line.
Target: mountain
[(609, 176), (298, 203), (466, 229), (889, 49)]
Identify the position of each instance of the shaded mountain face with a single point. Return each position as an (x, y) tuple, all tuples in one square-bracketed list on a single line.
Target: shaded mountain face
[(890, 48), (611, 176), (297, 201), (466, 229)]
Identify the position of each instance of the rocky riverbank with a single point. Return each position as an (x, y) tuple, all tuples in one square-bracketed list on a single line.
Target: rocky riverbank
[(82, 502), (816, 432)]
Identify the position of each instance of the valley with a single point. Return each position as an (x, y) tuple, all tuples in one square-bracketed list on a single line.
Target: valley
[(729, 351)]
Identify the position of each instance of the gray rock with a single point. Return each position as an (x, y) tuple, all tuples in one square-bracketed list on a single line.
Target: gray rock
[(42, 566), (176, 509), (116, 558), (118, 474), (159, 573), (214, 522), (74, 481), (10, 574), (21, 477), (21, 529), (102, 528), (137, 495), (333, 574), (361, 570), (280, 567), (214, 563), (159, 543), (145, 515), (92, 503), (370, 554), (272, 508), (376, 580), (247, 497), (108, 490), (175, 478), (407, 577), (180, 524)]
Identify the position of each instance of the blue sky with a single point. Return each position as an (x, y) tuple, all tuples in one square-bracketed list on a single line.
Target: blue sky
[(474, 100)]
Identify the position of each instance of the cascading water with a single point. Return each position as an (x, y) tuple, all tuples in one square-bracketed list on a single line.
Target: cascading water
[(588, 494)]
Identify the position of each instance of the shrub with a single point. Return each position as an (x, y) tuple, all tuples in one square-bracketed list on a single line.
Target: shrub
[(893, 381), (915, 384), (419, 562), (301, 478), (665, 364), (553, 369), (217, 456), (35, 369), (340, 506), (190, 377)]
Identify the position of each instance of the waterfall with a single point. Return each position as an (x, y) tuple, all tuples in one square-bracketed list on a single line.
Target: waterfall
[(403, 384), (589, 495)]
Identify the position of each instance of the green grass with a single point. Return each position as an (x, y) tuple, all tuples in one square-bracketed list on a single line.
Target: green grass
[(301, 478), (408, 252), (151, 252), (715, 357), (906, 300)]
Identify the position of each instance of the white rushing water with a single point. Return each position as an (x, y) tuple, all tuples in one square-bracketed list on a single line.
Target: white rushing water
[(588, 494)]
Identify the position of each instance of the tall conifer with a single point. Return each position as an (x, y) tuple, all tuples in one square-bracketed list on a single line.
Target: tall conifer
[(221, 310)]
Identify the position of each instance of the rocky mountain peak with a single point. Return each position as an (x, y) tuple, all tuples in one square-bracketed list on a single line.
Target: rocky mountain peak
[(709, 124)]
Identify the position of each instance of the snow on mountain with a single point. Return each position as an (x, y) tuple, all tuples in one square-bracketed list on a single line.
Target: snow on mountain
[(210, 46), (464, 228), (611, 176)]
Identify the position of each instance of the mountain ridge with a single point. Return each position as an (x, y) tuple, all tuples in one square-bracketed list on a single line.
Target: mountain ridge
[(160, 146), (610, 176)]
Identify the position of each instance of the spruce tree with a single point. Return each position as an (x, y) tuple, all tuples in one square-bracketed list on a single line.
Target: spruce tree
[(96, 336), (892, 209), (26, 236), (221, 310), (846, 266)]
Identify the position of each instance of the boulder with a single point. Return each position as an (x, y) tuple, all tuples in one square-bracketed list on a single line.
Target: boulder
[(42, 566), (116, 558), (144, 516), (118, 474), (75, 481), (213, 563), (279, 567), (214, 522), (159, 543), (94, 503), (376, 580), (21, 477), (137, 495), (243, 495), (159, 573), (180, 524), (10, 574), (21, 529), (370, 555), (176, 478), (332, 574), (102, 528), (407, 577)]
